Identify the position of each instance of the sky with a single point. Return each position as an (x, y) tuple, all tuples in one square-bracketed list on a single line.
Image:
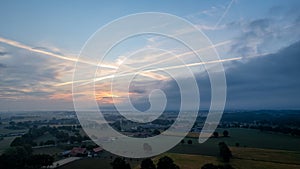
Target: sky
[(258, 43)]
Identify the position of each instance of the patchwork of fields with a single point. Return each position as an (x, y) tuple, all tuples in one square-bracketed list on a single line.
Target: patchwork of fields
[(257, 150)]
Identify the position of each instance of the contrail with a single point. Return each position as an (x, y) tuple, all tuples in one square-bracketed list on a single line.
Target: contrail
[(26, 47), (146, 71), (183, 54), (68, 58), (29, 48), (225, 13)]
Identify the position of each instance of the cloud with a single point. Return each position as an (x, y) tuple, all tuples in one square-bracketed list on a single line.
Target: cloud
[(3, 53), (2, 65), (270, 81), (268, 34), (255, 33), (28, 74), (265, 82), (27, 80)]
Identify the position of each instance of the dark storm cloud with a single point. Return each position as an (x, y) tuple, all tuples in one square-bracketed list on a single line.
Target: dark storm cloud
[(270, 81), (266, 82)]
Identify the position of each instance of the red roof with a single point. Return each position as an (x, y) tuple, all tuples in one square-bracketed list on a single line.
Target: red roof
[(77, 150), (97, 149)]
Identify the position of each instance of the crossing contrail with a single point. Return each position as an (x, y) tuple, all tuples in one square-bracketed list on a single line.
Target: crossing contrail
[(131, 71), (224, 14), (118, 75)]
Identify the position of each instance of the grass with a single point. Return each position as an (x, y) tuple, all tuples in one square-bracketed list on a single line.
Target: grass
[(258, 139), (244, 158), (47, 150), (3, 130), (245, 138), (187, 161), (4, 144), (47, 136), (259, 150), (247, 158), (267, 155), (94, 163)]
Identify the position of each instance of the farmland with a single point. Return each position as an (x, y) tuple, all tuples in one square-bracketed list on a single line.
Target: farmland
[(252, 147), (257, 150)]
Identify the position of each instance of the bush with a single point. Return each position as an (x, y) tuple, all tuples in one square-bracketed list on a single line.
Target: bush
[(166, 163), (147, 164), (120, 163), (225, 152), (225, 133), (215, 134)]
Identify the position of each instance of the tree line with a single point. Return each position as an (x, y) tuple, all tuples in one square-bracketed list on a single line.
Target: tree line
[(21, 157)]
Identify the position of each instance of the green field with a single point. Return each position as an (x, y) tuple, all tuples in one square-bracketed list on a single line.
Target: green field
[(9, 131), (4, 144), (47, 150), (44, 138), (245, 138)]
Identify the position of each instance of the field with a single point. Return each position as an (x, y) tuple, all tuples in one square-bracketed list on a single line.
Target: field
[(94, 163), (4, 144), (244, 158), (245, 138), (44, 138), (258, 150), (47, 150)]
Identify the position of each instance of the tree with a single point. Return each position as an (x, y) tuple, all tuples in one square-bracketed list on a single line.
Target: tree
[(18, 141), (40, 160), (14, 157), (209, 166), (225, 152), (190, 142), (12, 123), (166, 163), (49, 142), (120, 163), (215, 134), (147, 164), (212, 166), (182, 141), (225, 133), (20, 157), (156, 132)]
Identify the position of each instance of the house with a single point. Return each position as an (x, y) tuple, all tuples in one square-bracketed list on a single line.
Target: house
[(78, 152), (96, 151)]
